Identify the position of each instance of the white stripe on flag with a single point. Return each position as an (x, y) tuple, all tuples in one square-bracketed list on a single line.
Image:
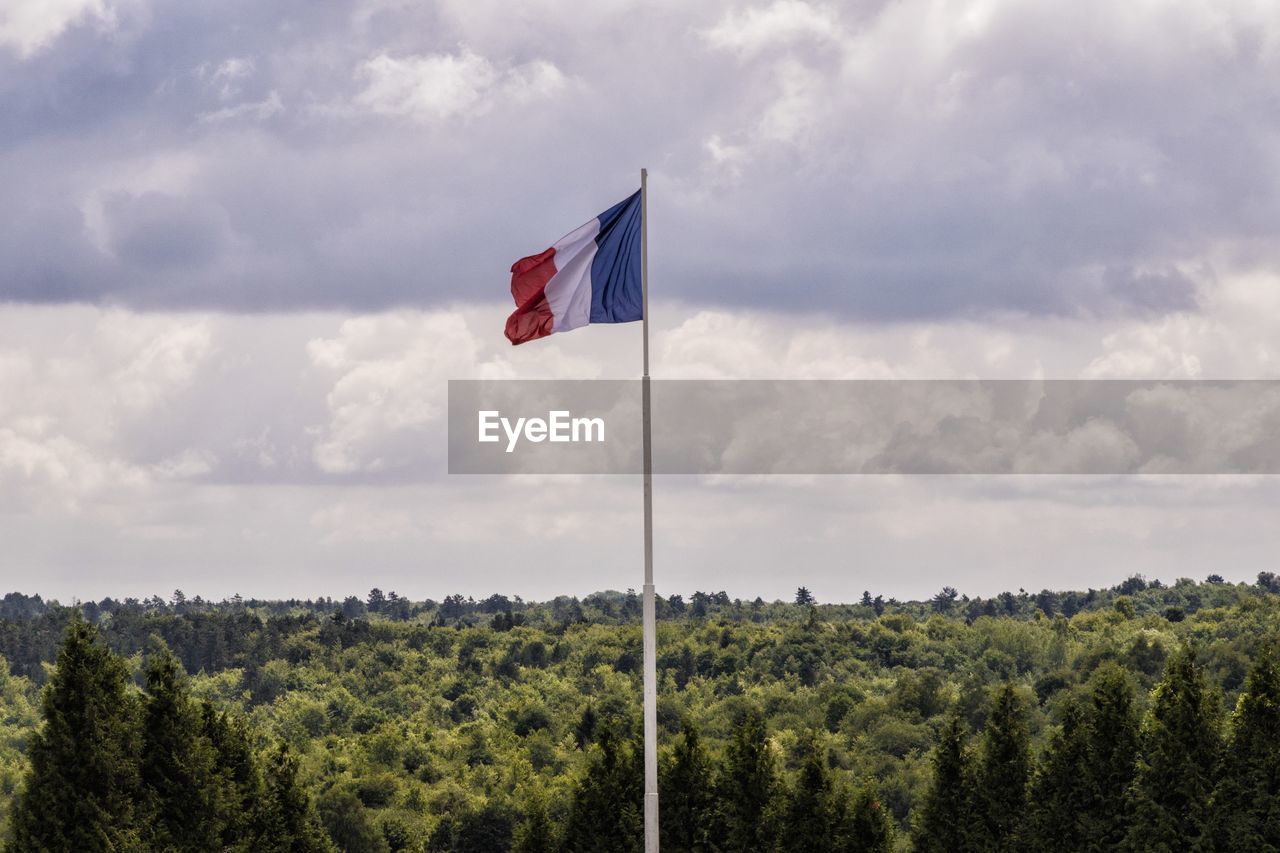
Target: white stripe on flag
[(569, 290)]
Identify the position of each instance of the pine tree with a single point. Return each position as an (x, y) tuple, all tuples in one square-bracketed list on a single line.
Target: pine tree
[(83, 777), (1060, 797), (240, 788), (1003, 770), (686, 797), (606, 814), (747, 789), (945, 820), (810, 822), (1112, 733), (535, 833), (1077, 799), (287, 822), (179, 789), (1246, 805), (866, 826), (1180, 745)]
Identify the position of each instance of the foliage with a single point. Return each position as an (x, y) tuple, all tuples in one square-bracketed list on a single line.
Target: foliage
[(83, 786), (380, 723), (1178, 761)]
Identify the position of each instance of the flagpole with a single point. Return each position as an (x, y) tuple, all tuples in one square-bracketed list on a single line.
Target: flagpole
[(650, 627)]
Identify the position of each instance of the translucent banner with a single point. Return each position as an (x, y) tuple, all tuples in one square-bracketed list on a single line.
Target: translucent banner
[(867, 427)]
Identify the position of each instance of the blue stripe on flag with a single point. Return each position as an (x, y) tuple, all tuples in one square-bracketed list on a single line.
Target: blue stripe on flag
[(616, 295)]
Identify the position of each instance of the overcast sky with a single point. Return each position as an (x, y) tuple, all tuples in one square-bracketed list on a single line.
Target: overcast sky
[(244, 245)]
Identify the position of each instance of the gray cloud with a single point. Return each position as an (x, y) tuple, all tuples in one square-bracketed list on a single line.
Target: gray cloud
[(874, 160), (275, 453)]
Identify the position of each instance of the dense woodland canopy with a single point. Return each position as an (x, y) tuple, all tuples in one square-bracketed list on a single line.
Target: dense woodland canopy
[(1144, 717)]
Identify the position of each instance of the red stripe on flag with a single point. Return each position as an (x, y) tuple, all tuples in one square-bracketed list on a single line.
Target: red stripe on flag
[(532, 318)]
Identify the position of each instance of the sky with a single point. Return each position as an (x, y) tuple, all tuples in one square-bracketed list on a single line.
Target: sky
[(244, 245)]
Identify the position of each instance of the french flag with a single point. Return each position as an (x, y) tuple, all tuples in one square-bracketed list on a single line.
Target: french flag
[(591, 275)]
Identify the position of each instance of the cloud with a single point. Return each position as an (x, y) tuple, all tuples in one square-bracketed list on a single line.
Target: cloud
[(29, 26), (227, 77), (444, 86), (782, 23), (390, 374), (267, 453), (259, 110), (875, 161)]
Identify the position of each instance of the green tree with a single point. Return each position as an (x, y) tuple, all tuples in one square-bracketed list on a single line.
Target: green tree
[(1061, 797), (1246, 805), (747, 788), (83, 778), (180, 792), (1078, 793), (479, 831), (944, 823), (287, 822), (810, 821), (241, 788), (347, 821), (1004, 767), (535, 834), (686, 795), (865, 826), (605, 815), (1180, 746), (1112, 733)]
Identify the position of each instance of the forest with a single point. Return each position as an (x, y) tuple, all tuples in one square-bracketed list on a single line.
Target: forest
[(1142, 717)]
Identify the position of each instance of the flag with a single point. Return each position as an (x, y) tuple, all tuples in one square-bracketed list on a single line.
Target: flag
[(591, 275)]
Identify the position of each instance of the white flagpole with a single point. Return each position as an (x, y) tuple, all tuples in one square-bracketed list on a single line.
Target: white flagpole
[(650, 627)]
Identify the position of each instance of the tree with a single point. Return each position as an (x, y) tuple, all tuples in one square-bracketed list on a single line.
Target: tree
[(1060, 797), (348, 824), (945, 600), (1077, 794), (865, 826), (474, 831), (1246, 805), (686, 797), (1003, 769), (747, 788), (1112, 733), (803, 597), (241, 788), (180, 807), (606, 812), (535, 834), (83, 778), (1180, 744), (944, 823), (810, 822), (287, 824)]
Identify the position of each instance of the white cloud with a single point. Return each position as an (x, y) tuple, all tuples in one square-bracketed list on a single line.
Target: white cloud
[(227, 78), (162, 361), (389, 389), (782, 23), (28, 26), (260, 452), (448, 85), (261, 110)]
